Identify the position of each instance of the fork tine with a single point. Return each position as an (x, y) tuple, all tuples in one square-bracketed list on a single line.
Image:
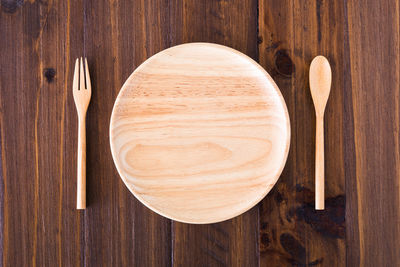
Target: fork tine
[(81, 77), (88, 84), (75, 85)]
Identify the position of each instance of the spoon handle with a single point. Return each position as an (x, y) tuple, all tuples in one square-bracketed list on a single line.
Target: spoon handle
[(319, 165)]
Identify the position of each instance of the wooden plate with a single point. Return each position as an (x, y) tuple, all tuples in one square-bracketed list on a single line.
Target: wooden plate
[(199, 133)]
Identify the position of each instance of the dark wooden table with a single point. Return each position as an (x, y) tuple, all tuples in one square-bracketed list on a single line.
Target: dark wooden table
[(38, 220)]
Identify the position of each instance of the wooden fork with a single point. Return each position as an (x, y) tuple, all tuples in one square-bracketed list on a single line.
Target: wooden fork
[(82, 96)]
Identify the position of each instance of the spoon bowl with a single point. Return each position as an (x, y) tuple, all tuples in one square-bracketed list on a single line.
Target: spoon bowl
[(320, 83)]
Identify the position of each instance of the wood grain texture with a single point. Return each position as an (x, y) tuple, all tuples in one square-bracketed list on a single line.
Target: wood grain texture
[(39, 39), (199, 133), (292, 33), (373, 183), (119, 230), (39, 223)]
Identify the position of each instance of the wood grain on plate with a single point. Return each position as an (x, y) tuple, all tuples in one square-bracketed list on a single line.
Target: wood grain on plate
[(199, 133)]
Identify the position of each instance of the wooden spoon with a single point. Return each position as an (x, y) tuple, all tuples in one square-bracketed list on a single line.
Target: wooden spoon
[(320, 85)]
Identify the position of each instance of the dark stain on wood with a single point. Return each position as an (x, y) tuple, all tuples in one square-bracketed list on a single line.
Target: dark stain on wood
[(295, 249), (316, 262), (210, 253), (259, 39), (224, 246), (273, 46), (11, 6), (284, 65), (329, 222), (49, 74), (303, 194), (279, 197), (265, 240), (297, 252), (264, 225)]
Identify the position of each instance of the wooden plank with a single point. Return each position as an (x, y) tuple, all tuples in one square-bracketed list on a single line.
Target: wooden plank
[(59, 226), (233, 242), (120, 231), (373, 187), (292, 232), (17, 146), (36, 215)]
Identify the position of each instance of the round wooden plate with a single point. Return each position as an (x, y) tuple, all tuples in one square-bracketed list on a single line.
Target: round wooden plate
[(199, 133)]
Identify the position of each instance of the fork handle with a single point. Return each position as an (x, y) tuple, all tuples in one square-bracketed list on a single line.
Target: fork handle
[(81, 183), (319, 165)]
